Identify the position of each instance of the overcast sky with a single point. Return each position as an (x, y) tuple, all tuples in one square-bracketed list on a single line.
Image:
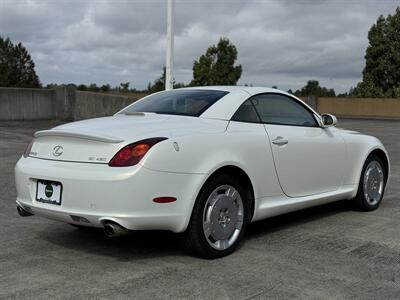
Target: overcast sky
[(280, 42)]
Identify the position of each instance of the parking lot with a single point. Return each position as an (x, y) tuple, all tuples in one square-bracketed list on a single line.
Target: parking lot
[(324, 252)]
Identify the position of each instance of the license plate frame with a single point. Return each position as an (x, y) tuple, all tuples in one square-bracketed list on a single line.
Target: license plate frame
[(49, 192)]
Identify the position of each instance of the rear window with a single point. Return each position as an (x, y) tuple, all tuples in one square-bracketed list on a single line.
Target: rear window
[(177, 102)]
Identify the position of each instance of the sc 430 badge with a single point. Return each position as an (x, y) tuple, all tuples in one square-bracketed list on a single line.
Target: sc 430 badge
[(97, 159)]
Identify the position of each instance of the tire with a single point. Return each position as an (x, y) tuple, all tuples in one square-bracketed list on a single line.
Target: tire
[(219, 218), (371, 186)]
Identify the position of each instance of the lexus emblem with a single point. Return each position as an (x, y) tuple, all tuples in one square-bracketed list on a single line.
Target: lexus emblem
[(58, 150)]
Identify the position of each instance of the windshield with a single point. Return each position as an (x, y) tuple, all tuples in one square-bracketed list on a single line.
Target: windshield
[(188, 102)]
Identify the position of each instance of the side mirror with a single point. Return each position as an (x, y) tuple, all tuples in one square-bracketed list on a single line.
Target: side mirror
[(328, 120)]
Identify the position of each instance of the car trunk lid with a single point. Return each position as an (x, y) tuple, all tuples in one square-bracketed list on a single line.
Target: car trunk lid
[(98, 140), (74, 146)]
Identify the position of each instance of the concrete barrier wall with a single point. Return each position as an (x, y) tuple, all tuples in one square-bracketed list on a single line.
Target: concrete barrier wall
[(91, 105), (360, 107), (63, 103), (68, 104), (311, 101), (27, 104)]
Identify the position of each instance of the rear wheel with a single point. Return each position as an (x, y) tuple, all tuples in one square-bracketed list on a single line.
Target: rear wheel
[(219, 218), (372, 185)]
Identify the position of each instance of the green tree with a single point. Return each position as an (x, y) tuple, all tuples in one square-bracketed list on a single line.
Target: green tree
[(312, 88), (82, 87), (159, 83), (178, 85), (217, 65), (93, 88), (52, 85), (381, 74), (124, 86), (17, 69), (105, 88)]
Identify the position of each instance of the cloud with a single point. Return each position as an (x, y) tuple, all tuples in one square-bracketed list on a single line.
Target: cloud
[(281, 42)]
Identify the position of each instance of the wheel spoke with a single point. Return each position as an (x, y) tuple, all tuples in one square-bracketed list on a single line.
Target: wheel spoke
[(232, 193), (213, 198), (207, 229), (239, 221), (207, 214), (223, 244)]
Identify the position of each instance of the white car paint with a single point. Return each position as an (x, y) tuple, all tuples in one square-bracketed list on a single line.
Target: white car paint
[(317, 165), (312, 162)]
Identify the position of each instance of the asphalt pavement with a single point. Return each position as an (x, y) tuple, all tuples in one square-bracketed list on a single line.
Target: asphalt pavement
[(326, 252)]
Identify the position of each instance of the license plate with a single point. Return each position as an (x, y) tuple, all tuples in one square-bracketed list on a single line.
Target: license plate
[(49, 192)]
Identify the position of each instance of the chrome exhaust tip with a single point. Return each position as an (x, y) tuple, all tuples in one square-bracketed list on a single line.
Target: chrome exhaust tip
[(22, 212), (113, 229)]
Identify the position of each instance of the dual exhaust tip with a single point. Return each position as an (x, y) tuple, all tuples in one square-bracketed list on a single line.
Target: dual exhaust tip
[(22, 212), (112, 229)]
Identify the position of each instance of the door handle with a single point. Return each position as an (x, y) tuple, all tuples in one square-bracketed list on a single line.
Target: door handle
[(280, 141)]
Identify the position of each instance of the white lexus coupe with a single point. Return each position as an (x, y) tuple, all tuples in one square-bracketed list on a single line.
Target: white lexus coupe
[(202, 161)]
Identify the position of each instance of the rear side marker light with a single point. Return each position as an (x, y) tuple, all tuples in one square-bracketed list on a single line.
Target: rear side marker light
[(164, 199)]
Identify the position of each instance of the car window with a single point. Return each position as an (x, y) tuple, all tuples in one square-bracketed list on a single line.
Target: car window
[(283, 110), (189, 102), (246, 113)]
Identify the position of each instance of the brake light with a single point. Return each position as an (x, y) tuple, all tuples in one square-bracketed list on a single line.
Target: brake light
[(28, 149), (131, 154)]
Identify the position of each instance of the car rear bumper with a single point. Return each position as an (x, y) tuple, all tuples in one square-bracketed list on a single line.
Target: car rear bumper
[(94, 194)]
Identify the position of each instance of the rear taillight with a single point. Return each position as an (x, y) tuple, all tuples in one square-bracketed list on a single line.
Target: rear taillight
[(28, 149), (131, 154)]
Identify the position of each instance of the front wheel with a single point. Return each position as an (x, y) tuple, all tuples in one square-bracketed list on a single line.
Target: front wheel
[(372, 185), (219, 218)]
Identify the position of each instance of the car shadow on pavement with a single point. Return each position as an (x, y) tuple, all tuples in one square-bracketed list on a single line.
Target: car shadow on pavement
[(135, 245), (150, 244)]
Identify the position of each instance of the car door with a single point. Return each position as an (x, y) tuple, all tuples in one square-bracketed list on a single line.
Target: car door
[(308, 159)]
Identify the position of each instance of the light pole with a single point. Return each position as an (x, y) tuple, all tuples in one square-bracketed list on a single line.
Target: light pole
[(169, 79)]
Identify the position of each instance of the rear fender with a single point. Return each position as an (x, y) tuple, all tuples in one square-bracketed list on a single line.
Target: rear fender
[(204, 154)]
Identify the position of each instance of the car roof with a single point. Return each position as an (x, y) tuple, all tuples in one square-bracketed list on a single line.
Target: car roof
[(227, 105), (251, 90)]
